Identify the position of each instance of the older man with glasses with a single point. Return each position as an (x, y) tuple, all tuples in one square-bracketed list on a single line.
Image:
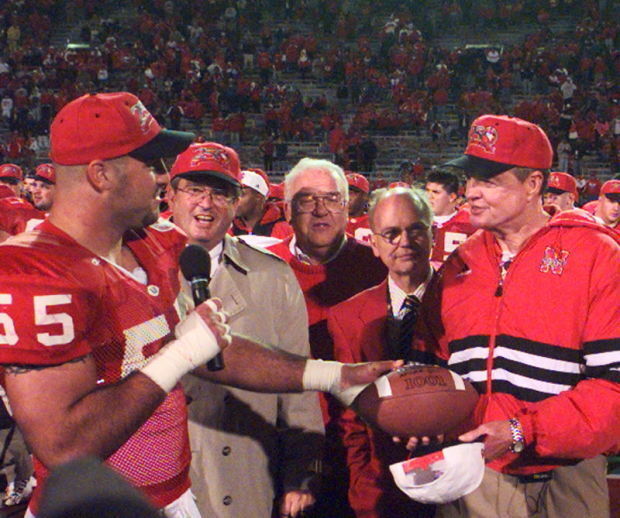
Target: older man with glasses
[(378, 323), (330, 267), (248, 449)]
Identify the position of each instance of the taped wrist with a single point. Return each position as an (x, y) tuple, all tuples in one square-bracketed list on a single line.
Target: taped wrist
[(195, 345), (326, 376)]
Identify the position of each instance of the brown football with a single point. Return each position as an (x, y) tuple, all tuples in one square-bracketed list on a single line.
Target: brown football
[(417, 400)]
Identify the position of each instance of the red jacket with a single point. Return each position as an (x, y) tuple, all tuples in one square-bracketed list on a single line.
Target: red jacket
[(358, 328), (544, 345)]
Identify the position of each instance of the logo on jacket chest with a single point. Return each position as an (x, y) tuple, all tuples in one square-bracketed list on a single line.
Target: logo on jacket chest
[(554, 261)]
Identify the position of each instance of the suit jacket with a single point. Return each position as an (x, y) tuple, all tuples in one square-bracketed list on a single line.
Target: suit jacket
[(248, 447), (358, 327)]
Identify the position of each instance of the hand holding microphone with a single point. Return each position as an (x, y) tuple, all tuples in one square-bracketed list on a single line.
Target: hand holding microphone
[(195, 265)]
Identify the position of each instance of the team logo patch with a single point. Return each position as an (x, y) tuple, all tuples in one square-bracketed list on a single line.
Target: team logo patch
[(145, 118), (484, 137), (210, 154), (152, 290), (553, 261)]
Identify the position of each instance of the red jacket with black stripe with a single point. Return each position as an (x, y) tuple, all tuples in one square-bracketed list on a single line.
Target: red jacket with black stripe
[(543, 345)]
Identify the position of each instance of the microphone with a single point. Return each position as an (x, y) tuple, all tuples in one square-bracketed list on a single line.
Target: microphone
[(195, 265)]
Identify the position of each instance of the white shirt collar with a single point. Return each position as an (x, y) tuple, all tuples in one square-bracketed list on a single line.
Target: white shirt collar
[(397, 296)]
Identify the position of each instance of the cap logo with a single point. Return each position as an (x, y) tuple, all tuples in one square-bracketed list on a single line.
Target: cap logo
[(145, 118), (553, 261), (554, 181), (210, 153), (484, 137)]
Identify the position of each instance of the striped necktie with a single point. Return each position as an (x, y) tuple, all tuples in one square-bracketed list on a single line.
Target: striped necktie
[(407, 315)]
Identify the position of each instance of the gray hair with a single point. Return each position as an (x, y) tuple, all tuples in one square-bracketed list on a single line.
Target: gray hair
[(418, 199), (315, 163)]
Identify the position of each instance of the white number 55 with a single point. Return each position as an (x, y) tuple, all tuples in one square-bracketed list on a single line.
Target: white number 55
[(41, 318)]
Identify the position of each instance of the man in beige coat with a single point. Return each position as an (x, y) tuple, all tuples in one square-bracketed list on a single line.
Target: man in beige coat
[(247, 448)]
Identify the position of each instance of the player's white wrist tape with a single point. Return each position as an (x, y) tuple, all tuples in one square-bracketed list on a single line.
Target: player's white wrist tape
[(325, 376), (195, 345)]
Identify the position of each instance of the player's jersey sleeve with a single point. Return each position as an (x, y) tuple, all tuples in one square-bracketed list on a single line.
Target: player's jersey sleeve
[(45, 319)]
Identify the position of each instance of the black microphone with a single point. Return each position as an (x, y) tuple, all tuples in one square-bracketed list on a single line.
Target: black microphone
[(195, 264)]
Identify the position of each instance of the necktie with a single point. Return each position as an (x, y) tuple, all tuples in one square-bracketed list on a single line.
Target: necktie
[(407, 315)]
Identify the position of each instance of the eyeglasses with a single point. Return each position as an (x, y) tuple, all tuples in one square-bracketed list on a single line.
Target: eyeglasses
[(394, 235), (332, 202), (196, 194)]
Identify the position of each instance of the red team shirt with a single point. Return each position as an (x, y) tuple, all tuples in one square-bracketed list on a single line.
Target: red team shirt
[(59, 301), (15, 212), (359, 228), (447, 236)]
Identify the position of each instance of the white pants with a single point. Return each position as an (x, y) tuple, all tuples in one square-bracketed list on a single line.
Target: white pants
[(183, 507)]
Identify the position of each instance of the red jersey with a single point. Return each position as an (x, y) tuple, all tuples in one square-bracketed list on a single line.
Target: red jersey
[(359, 228), (447, 236), (15, 212), (61, 302)]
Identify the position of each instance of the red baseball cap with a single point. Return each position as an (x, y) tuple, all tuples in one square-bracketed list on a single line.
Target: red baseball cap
[(611, 187), (208, 159), (276, 190), (110, 125), (562, 182), (497, 143), (358, 181), (11, 171), (45, 173)]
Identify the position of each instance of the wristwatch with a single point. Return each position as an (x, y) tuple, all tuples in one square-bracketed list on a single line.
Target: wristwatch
[(518, 439)]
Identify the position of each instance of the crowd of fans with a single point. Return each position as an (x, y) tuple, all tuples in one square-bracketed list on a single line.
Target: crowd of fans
[(235, 68)]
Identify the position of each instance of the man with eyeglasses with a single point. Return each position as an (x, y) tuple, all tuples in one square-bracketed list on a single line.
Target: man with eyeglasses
[(330, 268), (249, 450), (378, 324), (528, 309), (90, 338)]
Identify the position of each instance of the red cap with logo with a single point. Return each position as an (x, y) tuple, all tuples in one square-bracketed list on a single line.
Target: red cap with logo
[(358, 181), (45, 173), (562, 182), (611, 187), (208, 159), (110, 125), (11, 171), (497, 143)]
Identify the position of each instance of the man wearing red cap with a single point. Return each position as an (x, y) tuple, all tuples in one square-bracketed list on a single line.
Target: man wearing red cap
[(561, 191), (44, 187), (15, 212), (359, 191), (528, 311), (91, 344), (255, 214), (272, 443), (608, 204)]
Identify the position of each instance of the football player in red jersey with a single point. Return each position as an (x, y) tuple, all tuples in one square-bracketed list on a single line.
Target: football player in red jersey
[(90, 339), (451, 225), (15, 211), (358, 225)]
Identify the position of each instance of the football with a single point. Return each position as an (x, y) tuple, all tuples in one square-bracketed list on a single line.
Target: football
[(416, 400)]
